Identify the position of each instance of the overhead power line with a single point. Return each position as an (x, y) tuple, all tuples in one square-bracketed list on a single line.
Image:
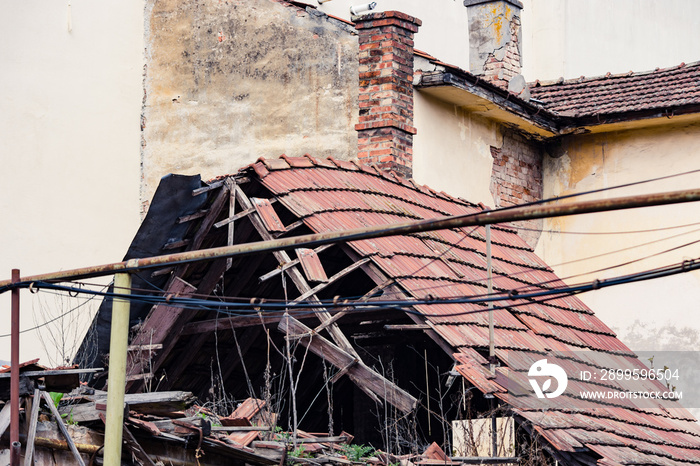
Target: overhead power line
[(313, 240)]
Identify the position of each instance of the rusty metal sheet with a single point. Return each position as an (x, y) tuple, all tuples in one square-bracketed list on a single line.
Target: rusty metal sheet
[(311, 264), (267, 214)]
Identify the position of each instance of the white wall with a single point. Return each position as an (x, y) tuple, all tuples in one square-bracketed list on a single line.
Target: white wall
[(567, 38), (573, 38), (444, 33), (70, 140)]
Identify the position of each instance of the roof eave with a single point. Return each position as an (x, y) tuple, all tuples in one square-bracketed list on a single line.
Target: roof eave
[(602, 123), (490, 101)]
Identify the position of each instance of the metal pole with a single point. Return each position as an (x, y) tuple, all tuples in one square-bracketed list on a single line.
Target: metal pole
[(492, 341), (119, 341), (14, 374), (489, 288), (515, 214)]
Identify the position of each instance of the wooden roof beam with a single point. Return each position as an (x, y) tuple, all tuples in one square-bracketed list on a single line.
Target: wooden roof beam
[(371, 382)]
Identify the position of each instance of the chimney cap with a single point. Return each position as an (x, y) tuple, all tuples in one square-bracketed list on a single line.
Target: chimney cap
[(516, 3)]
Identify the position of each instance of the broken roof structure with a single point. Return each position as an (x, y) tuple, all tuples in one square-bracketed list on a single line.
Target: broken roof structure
[(383, 350)]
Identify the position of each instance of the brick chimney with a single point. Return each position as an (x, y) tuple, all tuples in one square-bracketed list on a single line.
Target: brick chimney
[(495, 39), (385, 131)]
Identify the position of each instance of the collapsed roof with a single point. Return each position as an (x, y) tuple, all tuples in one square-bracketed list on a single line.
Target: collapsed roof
[(206, 349)]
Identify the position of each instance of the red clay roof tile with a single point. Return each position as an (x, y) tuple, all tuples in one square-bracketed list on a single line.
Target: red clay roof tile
[(337, 195)]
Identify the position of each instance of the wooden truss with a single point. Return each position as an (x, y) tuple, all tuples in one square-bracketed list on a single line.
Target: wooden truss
[(166, 323)]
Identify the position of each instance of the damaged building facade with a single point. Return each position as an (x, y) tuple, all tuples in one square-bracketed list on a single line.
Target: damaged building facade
[(226, 83)]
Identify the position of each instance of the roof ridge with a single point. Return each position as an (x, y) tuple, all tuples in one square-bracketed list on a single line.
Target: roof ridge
[(609, 75)]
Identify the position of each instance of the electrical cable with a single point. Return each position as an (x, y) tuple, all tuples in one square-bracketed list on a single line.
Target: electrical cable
[(305, 307)]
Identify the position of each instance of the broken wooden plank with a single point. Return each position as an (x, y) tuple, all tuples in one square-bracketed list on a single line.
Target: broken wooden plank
[(363, 376), (230, 185), (241, 428), (288, 228), (62, 428), (188, 218), (204, 189), (289, 264), (227, 323), (144, 347), (51, 372), (335, 439), (31, 434), (333, 279), (176, 244), (139, 454), (4, 418), (233, 218), (159, 403), (402, 327), (163, 271), (131, 378)]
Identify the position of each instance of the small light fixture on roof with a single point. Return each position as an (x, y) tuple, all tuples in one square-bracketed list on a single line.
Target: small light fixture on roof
[(357, 9), (321, 2)]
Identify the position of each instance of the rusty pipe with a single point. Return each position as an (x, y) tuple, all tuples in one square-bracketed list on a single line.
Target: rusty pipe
[(15, 446), (515, 214)]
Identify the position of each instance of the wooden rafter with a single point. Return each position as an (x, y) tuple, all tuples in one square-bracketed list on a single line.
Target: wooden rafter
[(295, 275), (164, 322), (370, 381), (292, 263), (332, 280), (379, 277)]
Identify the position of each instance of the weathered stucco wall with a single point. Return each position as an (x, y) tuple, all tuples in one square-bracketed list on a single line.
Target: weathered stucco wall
[(588, 162), (471, 157), (228, 82), (70, 103), (452, 149)]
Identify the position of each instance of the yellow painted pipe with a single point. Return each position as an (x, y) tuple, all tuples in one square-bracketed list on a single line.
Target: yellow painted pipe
[(116, 381)]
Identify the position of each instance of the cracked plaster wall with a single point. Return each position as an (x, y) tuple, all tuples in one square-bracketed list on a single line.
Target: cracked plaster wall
[(230, 81), (468, 156), (594, 161)]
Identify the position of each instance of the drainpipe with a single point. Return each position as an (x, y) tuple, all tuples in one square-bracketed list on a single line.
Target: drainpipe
[(118, 343)]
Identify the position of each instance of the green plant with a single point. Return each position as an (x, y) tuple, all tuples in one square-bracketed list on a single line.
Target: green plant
[(56, 398), (299, 452), (357, 452)]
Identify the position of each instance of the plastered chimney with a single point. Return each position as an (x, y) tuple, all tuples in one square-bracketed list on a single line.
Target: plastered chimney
[(495, 39)]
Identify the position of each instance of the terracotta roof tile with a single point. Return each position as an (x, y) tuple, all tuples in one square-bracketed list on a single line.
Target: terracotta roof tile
[(337, 195), (661, 89)]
